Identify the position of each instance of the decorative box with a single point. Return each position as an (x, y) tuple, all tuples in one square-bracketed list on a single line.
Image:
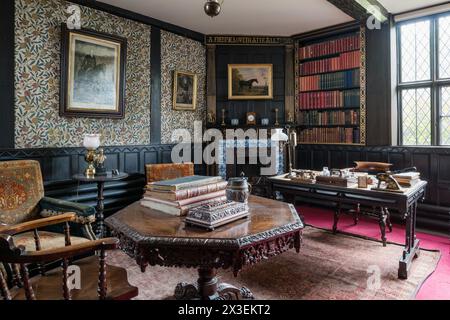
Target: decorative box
[(213, 215)]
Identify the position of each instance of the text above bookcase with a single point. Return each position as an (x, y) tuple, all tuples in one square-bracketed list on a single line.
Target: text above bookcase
[(330, 89)]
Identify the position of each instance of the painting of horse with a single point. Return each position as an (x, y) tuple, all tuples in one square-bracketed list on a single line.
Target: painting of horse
[(250, 81)]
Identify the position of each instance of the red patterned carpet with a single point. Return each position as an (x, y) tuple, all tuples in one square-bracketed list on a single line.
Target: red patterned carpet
[(328, 267), (436, 287)]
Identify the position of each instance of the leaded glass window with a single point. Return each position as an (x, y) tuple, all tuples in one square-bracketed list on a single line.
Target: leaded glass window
[(424, 81)]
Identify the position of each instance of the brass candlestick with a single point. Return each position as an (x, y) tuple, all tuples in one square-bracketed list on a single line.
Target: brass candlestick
[(276, 117), (90, 157), (223, 117)]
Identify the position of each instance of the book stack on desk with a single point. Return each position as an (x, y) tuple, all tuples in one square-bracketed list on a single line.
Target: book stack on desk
[(407, 179), (178, 196)]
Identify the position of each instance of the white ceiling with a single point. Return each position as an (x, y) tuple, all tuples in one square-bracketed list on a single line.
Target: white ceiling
[(398, 6), (248, 17), (255, 17)]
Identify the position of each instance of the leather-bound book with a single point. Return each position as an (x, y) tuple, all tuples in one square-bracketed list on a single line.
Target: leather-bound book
[(182, 183), (184, 202), (182, 194)]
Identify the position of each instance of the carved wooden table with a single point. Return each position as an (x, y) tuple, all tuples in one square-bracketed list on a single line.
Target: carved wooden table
[(100, 180), (405, 203), (155, 238)]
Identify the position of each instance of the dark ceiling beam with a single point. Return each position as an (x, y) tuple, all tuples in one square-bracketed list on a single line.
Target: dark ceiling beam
[(362, 9)]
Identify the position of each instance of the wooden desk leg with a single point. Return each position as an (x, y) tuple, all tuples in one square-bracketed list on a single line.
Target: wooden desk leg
[(337, 213), (411, 250), (356, 214), (382, 217), (99, 217), (388, 219)]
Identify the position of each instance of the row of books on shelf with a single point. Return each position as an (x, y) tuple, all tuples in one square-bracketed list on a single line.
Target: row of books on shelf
[(323, 118), (329, 135), (347, 60), (348, 43), (339, 80), (329, 99), (178, 196)]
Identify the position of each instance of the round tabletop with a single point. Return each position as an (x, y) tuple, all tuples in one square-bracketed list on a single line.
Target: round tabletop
[(105, 178)]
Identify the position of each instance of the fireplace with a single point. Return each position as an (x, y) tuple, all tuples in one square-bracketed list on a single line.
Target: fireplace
[(252, 157)]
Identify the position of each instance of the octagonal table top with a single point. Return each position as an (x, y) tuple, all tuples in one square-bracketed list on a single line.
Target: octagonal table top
[(268, 218)]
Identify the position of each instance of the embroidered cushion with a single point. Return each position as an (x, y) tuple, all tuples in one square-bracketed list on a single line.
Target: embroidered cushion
[(21, 189), (49, 240)]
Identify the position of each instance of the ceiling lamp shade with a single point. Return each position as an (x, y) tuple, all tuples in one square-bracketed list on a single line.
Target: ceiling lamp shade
[(212, 8)]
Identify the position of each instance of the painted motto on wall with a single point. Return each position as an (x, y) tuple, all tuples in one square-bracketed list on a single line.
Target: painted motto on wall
[(37, 75)]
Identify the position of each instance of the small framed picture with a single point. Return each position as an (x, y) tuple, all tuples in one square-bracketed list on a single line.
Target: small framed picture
[(184, 90), (92, 74)]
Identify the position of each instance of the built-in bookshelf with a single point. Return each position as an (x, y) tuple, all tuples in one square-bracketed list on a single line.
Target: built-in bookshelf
[(330, 84)]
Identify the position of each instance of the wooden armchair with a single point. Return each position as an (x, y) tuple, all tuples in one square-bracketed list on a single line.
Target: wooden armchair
[(22, 199), (98, 280)]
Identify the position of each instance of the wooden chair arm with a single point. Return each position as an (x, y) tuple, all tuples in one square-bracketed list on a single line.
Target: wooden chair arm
[(64, 252), (38, 223)]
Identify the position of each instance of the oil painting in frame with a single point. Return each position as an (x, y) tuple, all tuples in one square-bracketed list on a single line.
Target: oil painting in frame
[(250, 81), (184, 90), (92, 74)]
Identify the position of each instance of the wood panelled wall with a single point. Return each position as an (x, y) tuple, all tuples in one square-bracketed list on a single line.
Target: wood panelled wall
[(433, 163), (250, 54), (58, 165)]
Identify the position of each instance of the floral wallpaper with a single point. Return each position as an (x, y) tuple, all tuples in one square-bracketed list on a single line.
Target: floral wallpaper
[(183, 54), (37, 75)]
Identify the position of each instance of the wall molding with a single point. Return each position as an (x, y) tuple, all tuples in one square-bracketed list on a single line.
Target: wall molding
[(155, 78)]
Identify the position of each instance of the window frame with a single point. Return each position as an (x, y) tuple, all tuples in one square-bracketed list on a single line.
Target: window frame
[(435, 83)]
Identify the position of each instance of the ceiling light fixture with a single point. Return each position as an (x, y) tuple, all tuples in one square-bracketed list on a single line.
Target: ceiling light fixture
[(212, 7)]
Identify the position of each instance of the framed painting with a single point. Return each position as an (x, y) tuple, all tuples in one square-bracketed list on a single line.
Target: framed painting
[(250, 81), (92, 74), (184, 90)]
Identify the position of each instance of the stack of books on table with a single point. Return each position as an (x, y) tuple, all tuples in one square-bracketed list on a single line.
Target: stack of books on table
[(178, 196), (407, 179)]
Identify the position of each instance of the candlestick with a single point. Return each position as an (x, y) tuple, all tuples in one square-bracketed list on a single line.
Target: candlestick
[(223, 117), (276, 117)]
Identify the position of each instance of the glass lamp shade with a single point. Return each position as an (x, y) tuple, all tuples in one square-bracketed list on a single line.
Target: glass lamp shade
[(279, 135), (91, 141)]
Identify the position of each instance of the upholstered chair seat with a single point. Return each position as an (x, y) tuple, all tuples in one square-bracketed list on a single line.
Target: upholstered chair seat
[(49, 240)]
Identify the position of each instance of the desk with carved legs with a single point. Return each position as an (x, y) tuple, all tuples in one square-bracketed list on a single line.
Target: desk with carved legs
[(405, 203), (154, 238)]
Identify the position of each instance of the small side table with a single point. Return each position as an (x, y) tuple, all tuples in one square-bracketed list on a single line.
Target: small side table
[(100, 180)]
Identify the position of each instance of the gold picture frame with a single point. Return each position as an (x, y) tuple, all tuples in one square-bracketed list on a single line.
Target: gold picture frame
[(250, 81), (92, 74), (184, 91)]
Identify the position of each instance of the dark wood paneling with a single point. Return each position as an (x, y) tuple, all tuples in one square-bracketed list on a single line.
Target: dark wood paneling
[(7, 74), (155, 66), (58, 165), (433, 163), (249, 54), (378, 82)]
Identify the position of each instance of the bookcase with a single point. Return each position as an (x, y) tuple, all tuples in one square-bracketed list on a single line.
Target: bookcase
[(330, 89)]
